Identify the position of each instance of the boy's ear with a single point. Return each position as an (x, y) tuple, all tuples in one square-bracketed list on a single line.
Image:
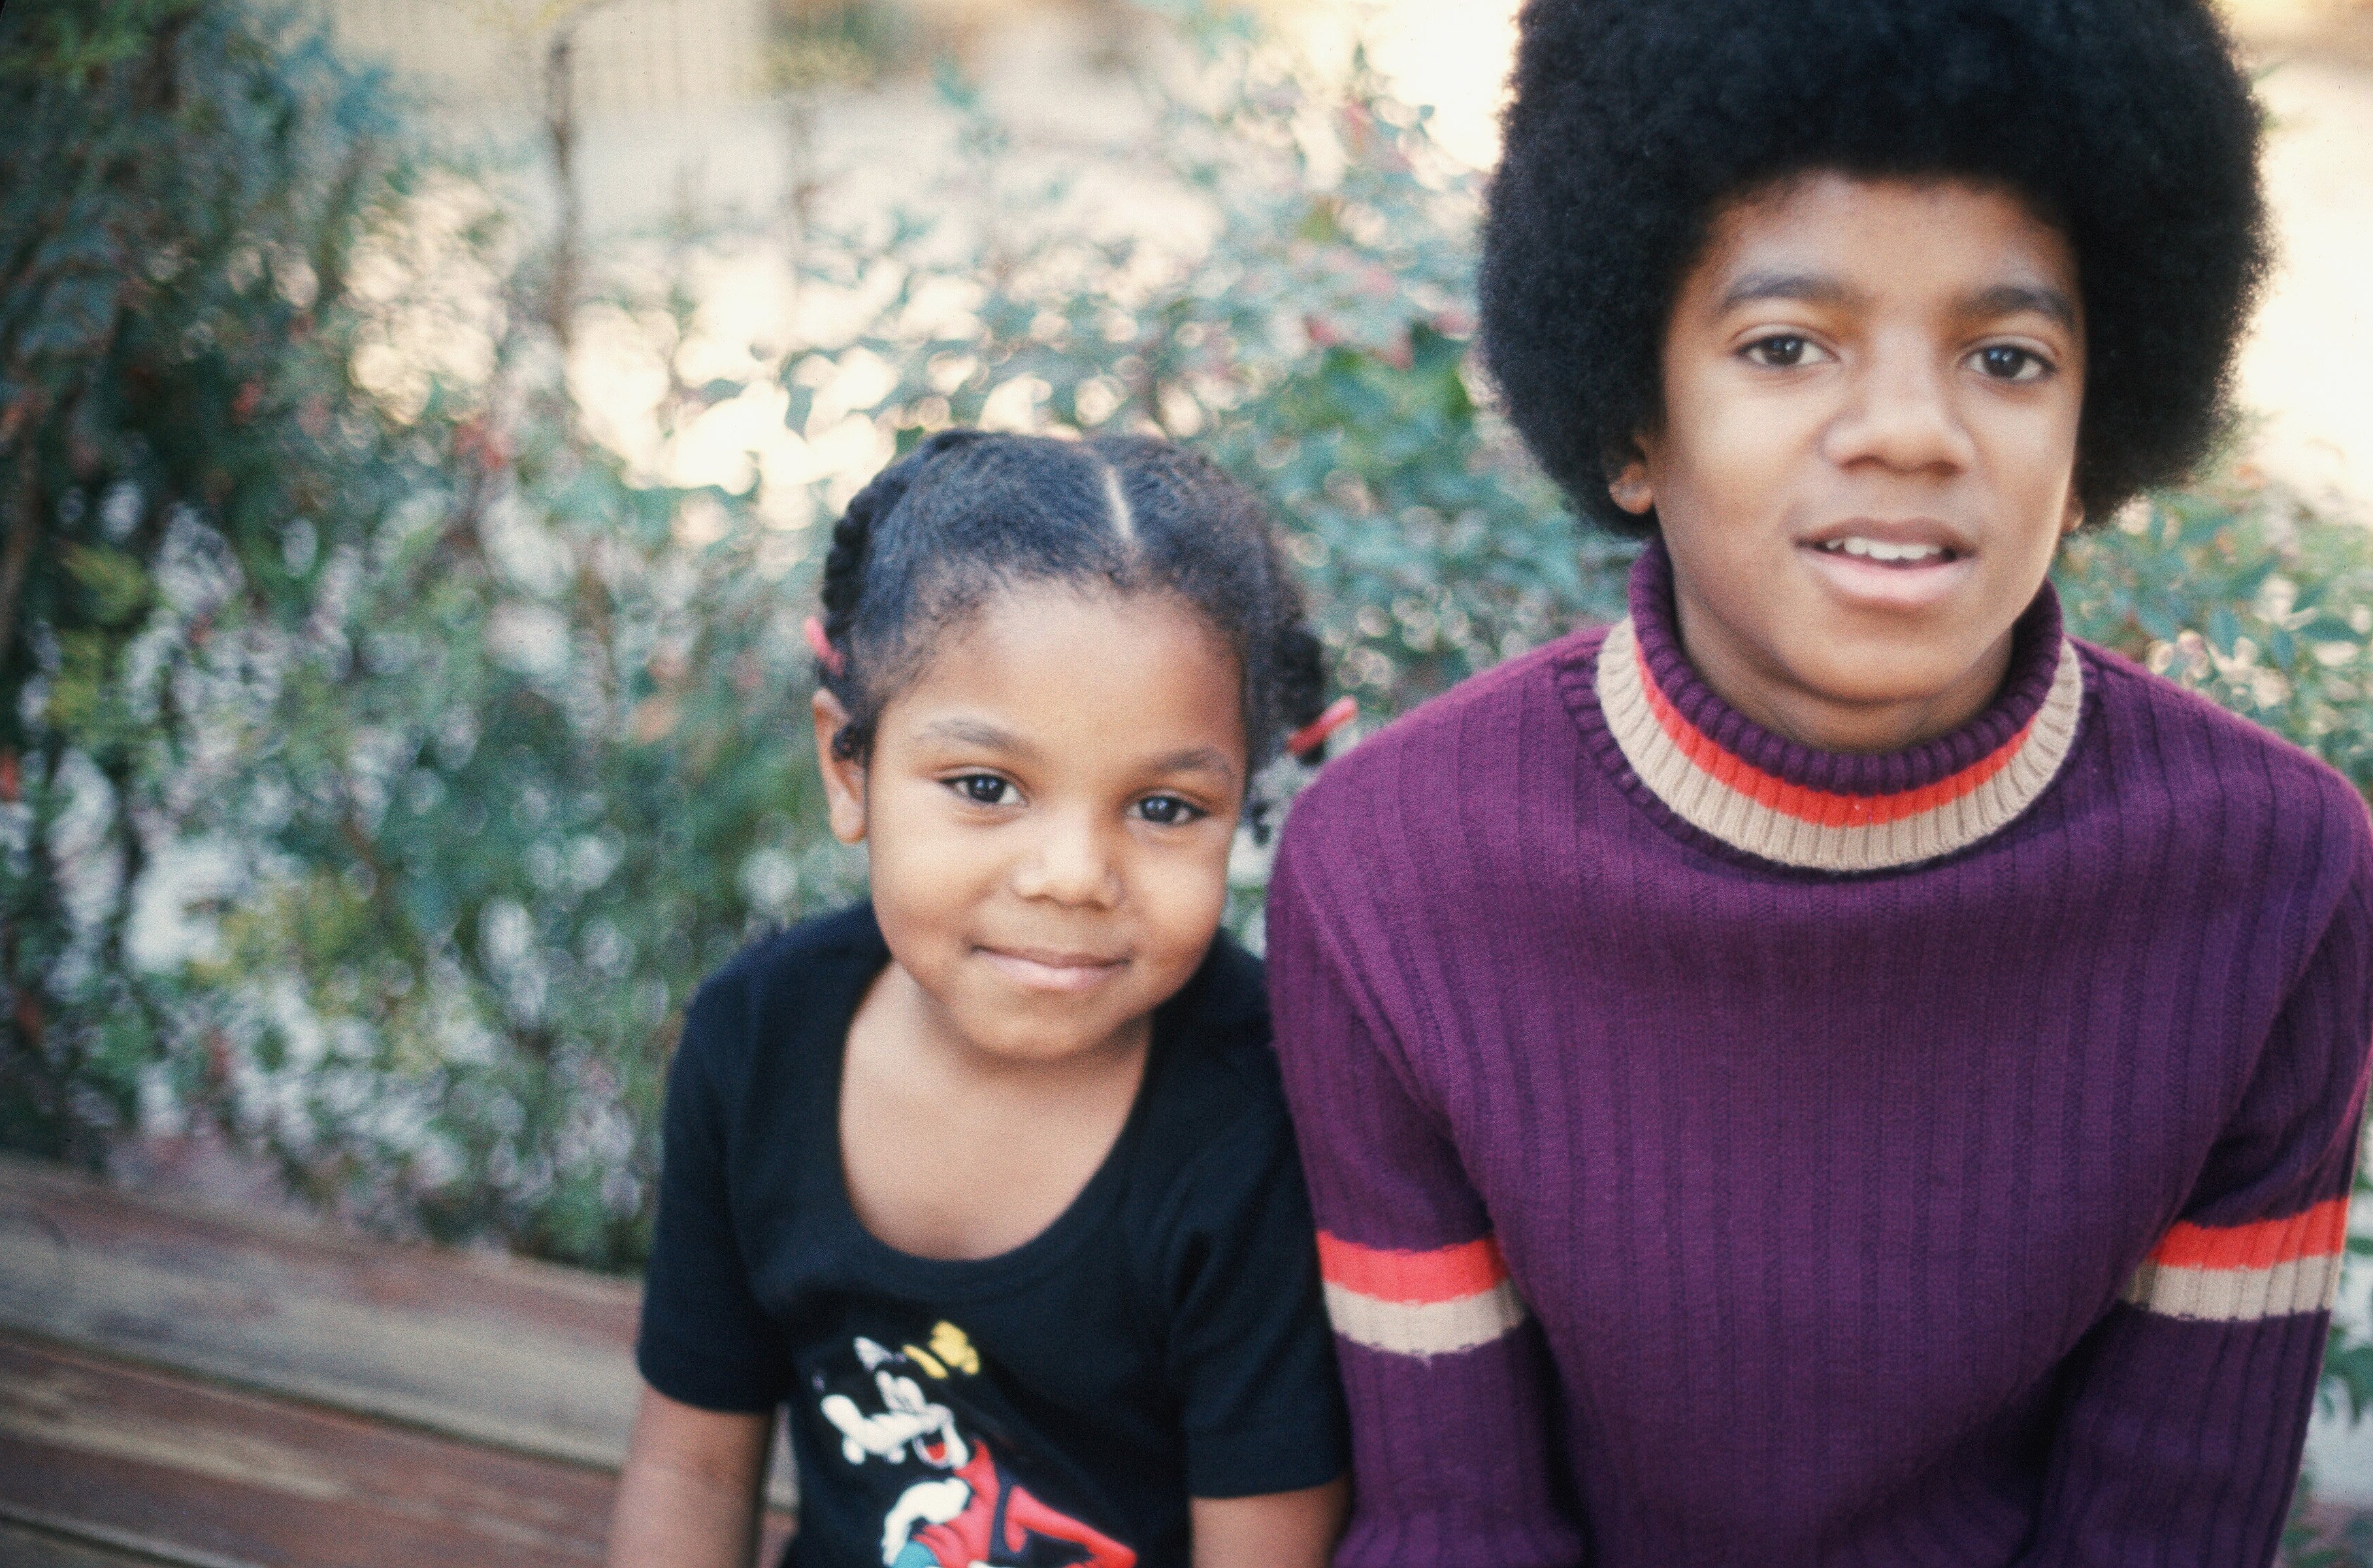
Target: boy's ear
[(2073, 517), (1630, 487), (844, 777)]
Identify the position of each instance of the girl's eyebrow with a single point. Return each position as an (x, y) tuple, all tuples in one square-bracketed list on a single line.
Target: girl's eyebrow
[(1197, 759), (974, 732), (979, 732)]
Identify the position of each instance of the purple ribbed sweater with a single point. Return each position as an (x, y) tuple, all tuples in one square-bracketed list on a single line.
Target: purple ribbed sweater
[(1686, 1199)]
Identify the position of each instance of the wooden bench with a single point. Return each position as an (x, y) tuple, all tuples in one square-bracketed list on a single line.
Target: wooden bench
[(185, 1385), (188, 1384)]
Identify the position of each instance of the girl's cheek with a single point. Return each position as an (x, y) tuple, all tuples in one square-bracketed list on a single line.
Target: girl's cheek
[(1189, 889)]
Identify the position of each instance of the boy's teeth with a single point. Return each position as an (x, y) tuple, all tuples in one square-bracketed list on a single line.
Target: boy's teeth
[(1879, 550)]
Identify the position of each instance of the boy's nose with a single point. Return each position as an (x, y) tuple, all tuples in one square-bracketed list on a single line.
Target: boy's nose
[(1073, 862), (1900, 413)]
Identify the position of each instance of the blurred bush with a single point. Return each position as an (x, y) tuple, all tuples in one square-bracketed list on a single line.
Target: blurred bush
[(181, 447), (383, 758), (379, 766)]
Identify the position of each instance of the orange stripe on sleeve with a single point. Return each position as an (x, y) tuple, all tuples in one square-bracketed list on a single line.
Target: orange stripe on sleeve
[(1447, 1273), (2320, 1232)]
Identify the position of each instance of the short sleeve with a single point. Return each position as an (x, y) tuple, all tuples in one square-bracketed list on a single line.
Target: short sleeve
[(1250, 1354), (705, 1339)]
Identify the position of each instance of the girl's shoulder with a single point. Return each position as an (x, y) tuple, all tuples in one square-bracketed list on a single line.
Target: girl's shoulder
[(1213, 1097), (1210, 1067), (793, 985)]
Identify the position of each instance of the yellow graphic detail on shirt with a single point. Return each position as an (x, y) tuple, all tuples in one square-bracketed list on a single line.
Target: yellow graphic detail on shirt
[(954, 1350), (949, 1343)]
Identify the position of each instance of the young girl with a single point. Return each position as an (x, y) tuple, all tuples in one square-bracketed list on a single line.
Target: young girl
[(989, 1179), (1830, 1070)]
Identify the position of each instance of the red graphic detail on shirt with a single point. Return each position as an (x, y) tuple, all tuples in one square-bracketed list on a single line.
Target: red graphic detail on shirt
[(1005, 1527)]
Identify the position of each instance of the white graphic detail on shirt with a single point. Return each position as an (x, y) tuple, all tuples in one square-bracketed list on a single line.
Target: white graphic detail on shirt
[(907, 1418)]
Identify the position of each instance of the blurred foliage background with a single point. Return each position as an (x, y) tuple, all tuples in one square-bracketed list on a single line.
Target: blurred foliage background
[(386, 747)]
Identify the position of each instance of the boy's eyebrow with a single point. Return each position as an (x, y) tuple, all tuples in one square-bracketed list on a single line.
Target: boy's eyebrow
[(2010, 298), (1814, 288), (1809, 287)]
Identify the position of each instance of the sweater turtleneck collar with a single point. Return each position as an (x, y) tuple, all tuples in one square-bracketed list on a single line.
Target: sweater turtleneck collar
[(1760, 791)]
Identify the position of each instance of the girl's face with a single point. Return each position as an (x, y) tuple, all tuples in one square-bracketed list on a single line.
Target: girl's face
[(1867, 453), (1048, 810)]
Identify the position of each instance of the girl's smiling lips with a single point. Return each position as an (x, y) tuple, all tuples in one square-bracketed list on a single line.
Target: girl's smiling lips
[(1910, 564), (1053, 969)]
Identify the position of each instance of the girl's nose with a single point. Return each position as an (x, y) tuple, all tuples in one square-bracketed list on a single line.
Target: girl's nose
[(1899, 414), (1073, 863)]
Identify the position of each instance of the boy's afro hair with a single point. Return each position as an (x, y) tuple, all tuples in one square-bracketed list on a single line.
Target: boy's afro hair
[(2128, 124)]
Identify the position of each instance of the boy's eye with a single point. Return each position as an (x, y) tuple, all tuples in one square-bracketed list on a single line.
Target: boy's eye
[(982, 789), (1782, 351), (1167, 811), (2004, 363)]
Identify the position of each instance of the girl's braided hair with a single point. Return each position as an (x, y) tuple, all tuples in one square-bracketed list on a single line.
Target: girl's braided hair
[(970, 512)]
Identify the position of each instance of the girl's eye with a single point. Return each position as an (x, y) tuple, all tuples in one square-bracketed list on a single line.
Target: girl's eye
[(2003, 363), (1167, 811), (1782, 351), (982, 789)]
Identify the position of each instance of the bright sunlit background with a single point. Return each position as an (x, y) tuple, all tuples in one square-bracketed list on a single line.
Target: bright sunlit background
[(675, 99)]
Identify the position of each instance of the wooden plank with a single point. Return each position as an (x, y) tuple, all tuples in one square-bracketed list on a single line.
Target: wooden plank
[(493, 1349), (498, 1350), (245, 1479), (21, 1546), (149, 1464)]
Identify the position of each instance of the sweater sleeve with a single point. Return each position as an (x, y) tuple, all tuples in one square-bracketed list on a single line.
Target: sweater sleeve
[(1450, 1385), (2179, 1440)]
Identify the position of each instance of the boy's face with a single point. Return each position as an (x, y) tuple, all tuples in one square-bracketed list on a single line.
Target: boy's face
[(1867, 453)]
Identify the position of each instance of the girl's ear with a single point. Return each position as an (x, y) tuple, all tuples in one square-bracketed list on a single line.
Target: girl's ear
[(2074, 516), (844, 777)]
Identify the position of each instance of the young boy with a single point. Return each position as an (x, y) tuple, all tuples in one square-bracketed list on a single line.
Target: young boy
[(1830, 1070)]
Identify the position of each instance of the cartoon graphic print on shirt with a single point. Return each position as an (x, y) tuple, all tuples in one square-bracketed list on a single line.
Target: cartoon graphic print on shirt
[(893, 1407)]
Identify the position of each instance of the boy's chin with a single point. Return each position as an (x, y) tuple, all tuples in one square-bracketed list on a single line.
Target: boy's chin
[(1902, 673)]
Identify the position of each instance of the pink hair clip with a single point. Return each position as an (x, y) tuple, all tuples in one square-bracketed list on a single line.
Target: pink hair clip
[(826, 654), (1312, 735)]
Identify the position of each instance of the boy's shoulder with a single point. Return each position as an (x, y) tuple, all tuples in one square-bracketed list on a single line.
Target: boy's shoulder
[(2195, 757), (1448, 741)]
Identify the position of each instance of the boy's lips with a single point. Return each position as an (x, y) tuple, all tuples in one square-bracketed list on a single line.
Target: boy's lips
[(1053, 969), (1910, 564)]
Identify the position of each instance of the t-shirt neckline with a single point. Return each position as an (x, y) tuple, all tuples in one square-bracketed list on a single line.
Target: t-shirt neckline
[(959, 1277)]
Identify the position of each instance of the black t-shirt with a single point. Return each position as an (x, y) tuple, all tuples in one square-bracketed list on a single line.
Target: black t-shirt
[(1164, 1339)]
